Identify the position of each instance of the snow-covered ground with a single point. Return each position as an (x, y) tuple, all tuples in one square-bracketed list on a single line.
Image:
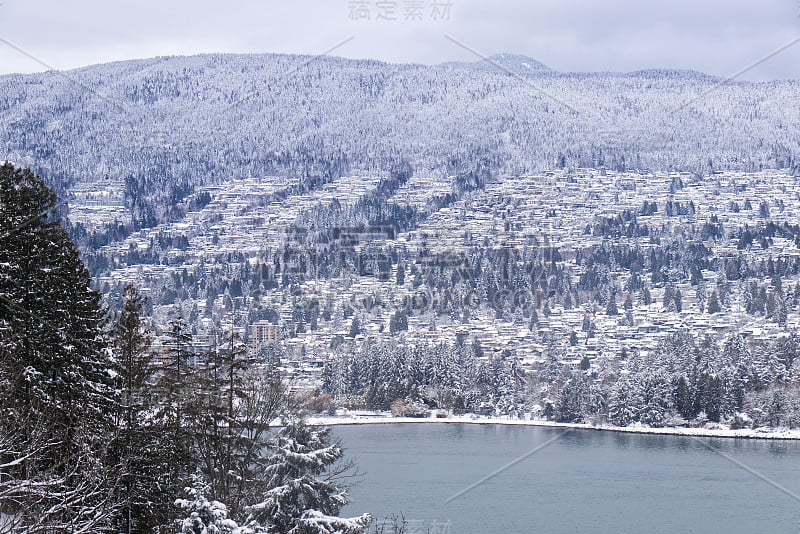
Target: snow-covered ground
[(364, 418)]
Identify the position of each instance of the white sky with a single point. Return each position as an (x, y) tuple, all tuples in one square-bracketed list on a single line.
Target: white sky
[(718, 37)]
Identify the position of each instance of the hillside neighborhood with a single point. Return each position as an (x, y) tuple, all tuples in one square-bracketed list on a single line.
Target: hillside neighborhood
[(555, 217)]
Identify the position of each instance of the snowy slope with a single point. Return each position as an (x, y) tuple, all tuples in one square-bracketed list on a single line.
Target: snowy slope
[(203, 119)]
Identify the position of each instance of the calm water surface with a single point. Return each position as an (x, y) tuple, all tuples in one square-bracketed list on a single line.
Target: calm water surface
[(585, 481)]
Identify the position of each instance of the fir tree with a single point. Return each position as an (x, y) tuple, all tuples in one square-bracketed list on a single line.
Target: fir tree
[(302, 497), (58, 398), (622, 403), (682, 398), (137, 442), (401, 274), (173, 417), (712, 306), (54, 320), (132, 342), (611, 308), (571, 400), (355, 328), (203, 515)]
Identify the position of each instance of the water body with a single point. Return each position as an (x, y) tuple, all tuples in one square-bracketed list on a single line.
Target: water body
[(582, 481)]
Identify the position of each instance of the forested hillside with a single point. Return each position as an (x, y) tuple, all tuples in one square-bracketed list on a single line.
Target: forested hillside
[(96, 436), (491, 238), (159, 128)]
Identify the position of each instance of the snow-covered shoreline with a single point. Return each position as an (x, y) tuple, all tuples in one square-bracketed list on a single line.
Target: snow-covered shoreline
[(360, 418)]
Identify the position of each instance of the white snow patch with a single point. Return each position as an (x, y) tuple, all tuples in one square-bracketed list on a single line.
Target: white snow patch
[(386, 418)]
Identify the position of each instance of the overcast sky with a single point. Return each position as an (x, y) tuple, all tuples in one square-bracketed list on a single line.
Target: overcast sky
[(718, 37)]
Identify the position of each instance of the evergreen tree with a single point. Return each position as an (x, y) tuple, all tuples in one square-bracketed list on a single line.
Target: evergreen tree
[(204, 516), (302, 496), (682, 398), (628, 303), (136, 445), (58, 398), (709, 396), (132, 342), (234, 407), (652, 398), (622, 404), (401, 274), (398, 322), (573, 339), (712, 306), (570, 405), (175, 392), (646, 299), (669, 298), (55, 347), (355, 327), (611, 308)]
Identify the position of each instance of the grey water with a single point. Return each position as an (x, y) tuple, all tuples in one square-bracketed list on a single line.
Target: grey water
[(582, 481)]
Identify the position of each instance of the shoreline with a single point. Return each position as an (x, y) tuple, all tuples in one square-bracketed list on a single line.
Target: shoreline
[(377, 419)]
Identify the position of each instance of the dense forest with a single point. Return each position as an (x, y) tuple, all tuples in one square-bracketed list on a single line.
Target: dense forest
[(162, 128), (99, 434)]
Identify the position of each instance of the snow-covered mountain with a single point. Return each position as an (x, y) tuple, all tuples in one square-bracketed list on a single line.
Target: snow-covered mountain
[(508, 63), (161, 128)]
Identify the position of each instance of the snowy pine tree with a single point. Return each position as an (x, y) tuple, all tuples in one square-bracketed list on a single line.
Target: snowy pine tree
[(204, 516), (58, 397), (302, 497), (622, 403), (173, 418), (572, 399), (136, 444), (60, 368)]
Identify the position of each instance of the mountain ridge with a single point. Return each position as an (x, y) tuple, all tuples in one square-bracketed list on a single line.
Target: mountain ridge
[(168, 125), (517, 63)]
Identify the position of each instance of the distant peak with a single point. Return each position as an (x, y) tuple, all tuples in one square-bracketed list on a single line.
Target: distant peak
[(498, 63), (519, 64)]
